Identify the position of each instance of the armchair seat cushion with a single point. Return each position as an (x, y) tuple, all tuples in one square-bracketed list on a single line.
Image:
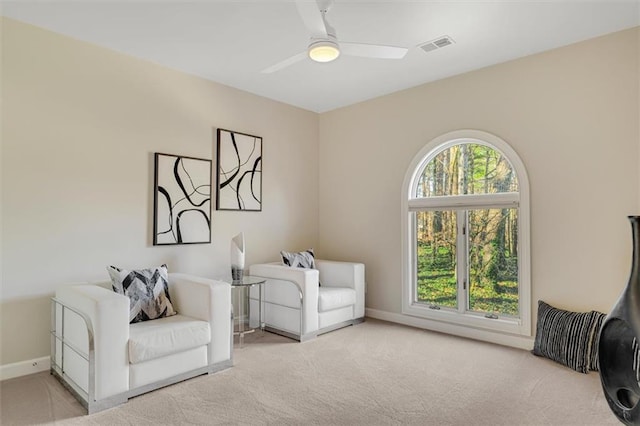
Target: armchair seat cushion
[(330, 298), (154, 339)]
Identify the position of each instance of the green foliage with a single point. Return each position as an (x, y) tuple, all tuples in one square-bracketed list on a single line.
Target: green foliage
[(494, 291), (467, 169)]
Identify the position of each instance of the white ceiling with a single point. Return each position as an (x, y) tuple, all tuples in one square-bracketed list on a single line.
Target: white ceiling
[(230, 42)]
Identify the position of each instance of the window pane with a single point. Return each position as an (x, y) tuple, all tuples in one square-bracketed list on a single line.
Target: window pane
[(493, 261), (467, 169), (436, 258)]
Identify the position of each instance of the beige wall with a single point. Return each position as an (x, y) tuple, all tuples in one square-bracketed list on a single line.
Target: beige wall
[(571, 114), (81, 123), (80, 126)]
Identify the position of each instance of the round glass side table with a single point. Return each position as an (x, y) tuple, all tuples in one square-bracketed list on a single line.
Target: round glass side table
[(242, 288)]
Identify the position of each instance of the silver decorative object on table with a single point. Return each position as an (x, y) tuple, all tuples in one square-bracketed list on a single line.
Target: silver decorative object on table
[(237, 257)]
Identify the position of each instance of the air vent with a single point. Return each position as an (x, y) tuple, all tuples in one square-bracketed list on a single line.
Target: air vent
[(436, 44)]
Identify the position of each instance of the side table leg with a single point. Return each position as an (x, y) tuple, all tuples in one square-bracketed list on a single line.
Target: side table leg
[(240, 316), (260, 320)]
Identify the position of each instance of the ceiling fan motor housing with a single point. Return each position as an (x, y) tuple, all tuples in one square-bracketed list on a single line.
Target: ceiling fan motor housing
[(324, 49)]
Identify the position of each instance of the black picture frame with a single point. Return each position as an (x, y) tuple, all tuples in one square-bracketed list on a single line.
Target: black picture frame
[(182, 200), (239, 171)]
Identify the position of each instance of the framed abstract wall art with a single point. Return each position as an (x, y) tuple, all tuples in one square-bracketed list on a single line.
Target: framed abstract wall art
[(182, 200), (239, 176)]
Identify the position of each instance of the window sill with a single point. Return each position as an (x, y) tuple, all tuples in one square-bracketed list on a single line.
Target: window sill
[(472, 320), (505, 339)]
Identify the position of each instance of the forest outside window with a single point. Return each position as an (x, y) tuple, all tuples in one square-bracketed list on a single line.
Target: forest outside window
[(466, 261)]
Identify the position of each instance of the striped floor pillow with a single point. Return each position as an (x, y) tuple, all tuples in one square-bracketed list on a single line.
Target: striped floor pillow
[(597, 325), (565, 337)]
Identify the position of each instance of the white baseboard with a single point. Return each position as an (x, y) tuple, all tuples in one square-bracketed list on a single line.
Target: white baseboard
[(521, 342), (23, 368)]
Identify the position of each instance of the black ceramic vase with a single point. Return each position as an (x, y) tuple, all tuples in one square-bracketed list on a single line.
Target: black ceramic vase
[(618, 344)]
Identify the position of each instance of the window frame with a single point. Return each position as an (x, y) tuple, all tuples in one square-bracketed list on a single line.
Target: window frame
[(410, 204)]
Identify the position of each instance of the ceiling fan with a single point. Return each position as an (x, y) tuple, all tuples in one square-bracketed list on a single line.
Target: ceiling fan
[(324, 45)]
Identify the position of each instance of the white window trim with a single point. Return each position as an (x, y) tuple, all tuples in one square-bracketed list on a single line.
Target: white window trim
[(465, 202), (409, 203)]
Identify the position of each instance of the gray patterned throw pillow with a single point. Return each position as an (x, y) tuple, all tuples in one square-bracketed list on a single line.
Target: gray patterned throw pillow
[(147, 290), (303, 259)]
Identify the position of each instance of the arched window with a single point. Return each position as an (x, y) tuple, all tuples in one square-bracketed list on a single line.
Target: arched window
[(466, 234)]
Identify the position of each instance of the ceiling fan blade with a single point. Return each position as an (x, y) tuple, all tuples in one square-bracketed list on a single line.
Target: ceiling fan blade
[(312, 17), (373, 50), (283, 64)]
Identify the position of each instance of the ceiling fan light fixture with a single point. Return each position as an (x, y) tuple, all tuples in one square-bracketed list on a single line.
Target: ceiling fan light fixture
[(324, 51)]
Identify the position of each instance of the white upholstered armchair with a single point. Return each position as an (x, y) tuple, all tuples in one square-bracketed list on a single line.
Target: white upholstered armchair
[(104, 360), (303, 303)]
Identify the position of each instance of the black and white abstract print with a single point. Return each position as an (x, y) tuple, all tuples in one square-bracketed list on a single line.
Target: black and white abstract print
[(182, 201), (239, 171)]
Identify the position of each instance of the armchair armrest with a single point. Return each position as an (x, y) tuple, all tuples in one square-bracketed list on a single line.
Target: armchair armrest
[(109, 316), (206, 300), (305, 283), (344, 274)]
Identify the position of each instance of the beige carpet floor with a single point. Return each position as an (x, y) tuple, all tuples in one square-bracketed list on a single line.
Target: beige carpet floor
[(375, 373)]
